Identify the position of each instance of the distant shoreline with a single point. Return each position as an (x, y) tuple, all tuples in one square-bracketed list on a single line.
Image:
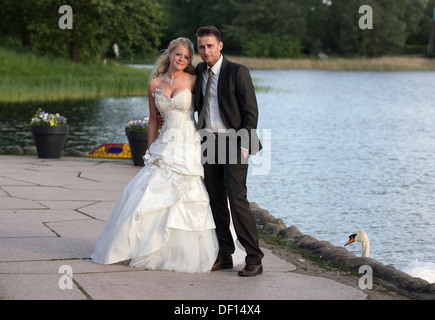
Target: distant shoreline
[(27, 77), (393, 63)]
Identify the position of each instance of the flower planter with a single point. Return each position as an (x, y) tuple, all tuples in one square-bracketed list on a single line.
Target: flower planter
[(138, 141), (49, 140)]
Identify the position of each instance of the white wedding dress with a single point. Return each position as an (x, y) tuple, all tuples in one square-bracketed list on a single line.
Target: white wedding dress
[(163, 218)]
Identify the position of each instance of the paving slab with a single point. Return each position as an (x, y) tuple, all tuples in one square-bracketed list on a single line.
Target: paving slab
[(48, 229)]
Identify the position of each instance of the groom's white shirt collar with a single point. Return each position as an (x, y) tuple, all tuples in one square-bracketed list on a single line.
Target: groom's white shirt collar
[(217, 66)]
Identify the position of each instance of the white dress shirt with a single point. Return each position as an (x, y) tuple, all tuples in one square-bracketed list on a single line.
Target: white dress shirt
[(213, 119)]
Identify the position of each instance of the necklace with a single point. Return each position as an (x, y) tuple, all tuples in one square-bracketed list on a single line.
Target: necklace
[(175, 80)]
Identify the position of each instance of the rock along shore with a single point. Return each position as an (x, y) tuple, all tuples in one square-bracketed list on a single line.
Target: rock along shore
[(324, 250)]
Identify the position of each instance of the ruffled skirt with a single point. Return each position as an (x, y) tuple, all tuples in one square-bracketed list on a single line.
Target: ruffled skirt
[(162, 221)]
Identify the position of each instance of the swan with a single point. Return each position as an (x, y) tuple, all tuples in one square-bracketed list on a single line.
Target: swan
[(423, 270), (361, 236)]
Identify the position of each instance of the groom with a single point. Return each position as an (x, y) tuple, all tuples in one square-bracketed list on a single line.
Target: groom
[(226, 105)]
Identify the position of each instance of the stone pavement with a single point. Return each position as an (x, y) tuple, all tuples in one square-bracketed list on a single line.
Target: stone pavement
[(51, 213)]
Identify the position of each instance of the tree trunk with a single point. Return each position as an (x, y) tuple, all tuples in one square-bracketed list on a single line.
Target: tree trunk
[(430, 47), (74, 47)]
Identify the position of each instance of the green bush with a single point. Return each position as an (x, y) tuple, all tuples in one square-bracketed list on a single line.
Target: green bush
[(272, 46)]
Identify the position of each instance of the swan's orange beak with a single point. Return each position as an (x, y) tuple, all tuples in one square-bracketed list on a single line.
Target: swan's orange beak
[(351, 239)]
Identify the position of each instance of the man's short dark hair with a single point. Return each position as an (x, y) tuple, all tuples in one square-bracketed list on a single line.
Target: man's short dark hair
[(208, 31)]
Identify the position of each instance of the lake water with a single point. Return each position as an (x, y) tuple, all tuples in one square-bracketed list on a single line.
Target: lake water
[(344, 151), (92, 122), (352, 151)]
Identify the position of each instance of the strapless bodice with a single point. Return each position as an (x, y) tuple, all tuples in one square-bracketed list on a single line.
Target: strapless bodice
[(178, 143), (182, 102)]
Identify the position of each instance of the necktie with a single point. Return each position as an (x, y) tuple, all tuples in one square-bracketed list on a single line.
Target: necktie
[(206, 98)]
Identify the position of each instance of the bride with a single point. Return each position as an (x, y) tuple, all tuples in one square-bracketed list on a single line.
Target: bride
[(163, 218)]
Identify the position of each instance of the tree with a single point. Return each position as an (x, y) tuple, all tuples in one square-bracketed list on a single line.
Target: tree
[(393, 21), (15, 17), (96, 25), (267, 28), (320, 30), (280, 28), (419, 36)]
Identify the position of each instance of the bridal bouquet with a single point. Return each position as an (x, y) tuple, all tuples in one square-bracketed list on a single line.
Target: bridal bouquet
[(139, 124), (42, 118)]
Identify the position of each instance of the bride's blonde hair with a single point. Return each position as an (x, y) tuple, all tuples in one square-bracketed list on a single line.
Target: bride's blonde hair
[(162, 63)]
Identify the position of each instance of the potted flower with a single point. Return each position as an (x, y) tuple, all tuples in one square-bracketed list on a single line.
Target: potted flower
[(137, 134), (49, 131)]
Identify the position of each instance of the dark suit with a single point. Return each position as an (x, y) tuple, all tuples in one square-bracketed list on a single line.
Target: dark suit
[(237, 101), (239, 111)]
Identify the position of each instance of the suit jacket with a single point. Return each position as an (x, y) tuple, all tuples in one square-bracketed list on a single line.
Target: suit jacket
[(237, 102)]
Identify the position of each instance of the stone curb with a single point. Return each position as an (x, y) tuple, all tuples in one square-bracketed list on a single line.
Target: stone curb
[(387, 275)]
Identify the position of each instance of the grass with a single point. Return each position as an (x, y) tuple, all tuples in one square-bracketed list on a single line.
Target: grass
[(29, 77), (280, 242), (25, 76)]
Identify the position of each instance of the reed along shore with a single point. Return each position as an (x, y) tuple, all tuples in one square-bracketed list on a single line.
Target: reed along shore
[(27, 77), (30, 77)]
